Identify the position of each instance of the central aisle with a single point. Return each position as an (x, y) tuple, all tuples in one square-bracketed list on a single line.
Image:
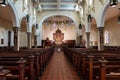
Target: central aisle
[(59, 69)]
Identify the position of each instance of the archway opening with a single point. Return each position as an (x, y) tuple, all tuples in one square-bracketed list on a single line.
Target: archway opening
[(93, 34), (23, 33), (6, 26), (62, 23)]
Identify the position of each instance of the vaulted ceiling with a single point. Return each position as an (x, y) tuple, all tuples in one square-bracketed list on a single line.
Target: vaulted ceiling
[(58, 4), (6, 13)]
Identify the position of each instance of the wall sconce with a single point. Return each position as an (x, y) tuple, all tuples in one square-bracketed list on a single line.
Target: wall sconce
[(119, 20), (3, 3), (119, 17), (27, 18), (80, 26), (113, 3), (89, 18)]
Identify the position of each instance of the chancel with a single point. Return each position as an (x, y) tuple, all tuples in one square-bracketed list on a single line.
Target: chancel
[(59, 40)]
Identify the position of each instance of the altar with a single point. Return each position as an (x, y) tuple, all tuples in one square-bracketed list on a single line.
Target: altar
[(58, 36)]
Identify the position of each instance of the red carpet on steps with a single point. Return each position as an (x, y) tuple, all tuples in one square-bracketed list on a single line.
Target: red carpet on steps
[(59, 69)]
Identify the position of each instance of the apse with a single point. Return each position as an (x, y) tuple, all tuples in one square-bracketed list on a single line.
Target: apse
[(62, 23)]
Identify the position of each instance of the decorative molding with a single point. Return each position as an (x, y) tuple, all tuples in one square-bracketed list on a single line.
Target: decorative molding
[(35, 2), (14, 1), (23, 8), (101, 1), (93, 9)]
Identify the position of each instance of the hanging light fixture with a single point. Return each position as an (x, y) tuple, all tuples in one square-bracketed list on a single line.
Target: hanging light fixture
[(27, 18), (80, 26), (36, 26), (89, 18), (113, 3), (3, 2)]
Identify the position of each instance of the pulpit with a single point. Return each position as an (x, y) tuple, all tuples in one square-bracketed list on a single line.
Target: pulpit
[(58, 36)]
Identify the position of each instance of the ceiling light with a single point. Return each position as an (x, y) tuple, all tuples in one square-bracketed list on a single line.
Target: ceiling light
[(3, 2), (113, 3)]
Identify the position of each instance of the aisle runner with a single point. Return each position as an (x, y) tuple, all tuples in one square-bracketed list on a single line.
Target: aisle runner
[(59, 69)]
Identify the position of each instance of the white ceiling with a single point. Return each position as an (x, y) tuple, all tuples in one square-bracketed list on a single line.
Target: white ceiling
[(111, 13), (59, 20), (58, 4), (7, 13)]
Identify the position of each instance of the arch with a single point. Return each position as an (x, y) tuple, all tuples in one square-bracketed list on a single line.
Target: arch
[(101, 19), (60, 13), (23, 22), (31, 25), (15, 18), (22, 16)]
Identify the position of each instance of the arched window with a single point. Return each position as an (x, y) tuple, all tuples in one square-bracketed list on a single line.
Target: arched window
[(107, 37)]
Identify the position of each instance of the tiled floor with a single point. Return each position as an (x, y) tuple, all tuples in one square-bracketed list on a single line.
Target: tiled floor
[(59, 69)]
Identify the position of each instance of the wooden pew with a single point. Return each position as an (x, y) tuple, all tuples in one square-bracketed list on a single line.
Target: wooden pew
[(89, 66), (93, 67), (14, 64)]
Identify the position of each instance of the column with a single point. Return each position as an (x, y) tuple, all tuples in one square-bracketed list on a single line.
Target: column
[(87, 39), (77, 40), (100, 39), (29, 40), (81, 40), (35, 41), (16, 38)]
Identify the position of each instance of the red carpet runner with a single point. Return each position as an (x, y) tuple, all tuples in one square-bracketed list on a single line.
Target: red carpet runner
[(59, 69)]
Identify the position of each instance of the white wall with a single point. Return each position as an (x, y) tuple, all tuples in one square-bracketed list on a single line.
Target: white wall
[(113, 28), (23, 39), (69, 32), (5, 26), (93, 35)]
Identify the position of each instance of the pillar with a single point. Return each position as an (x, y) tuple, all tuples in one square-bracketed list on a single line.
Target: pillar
[(35, 41), (29, 40), (81, 40), (16, 38), (100, 39), (87, 39)]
